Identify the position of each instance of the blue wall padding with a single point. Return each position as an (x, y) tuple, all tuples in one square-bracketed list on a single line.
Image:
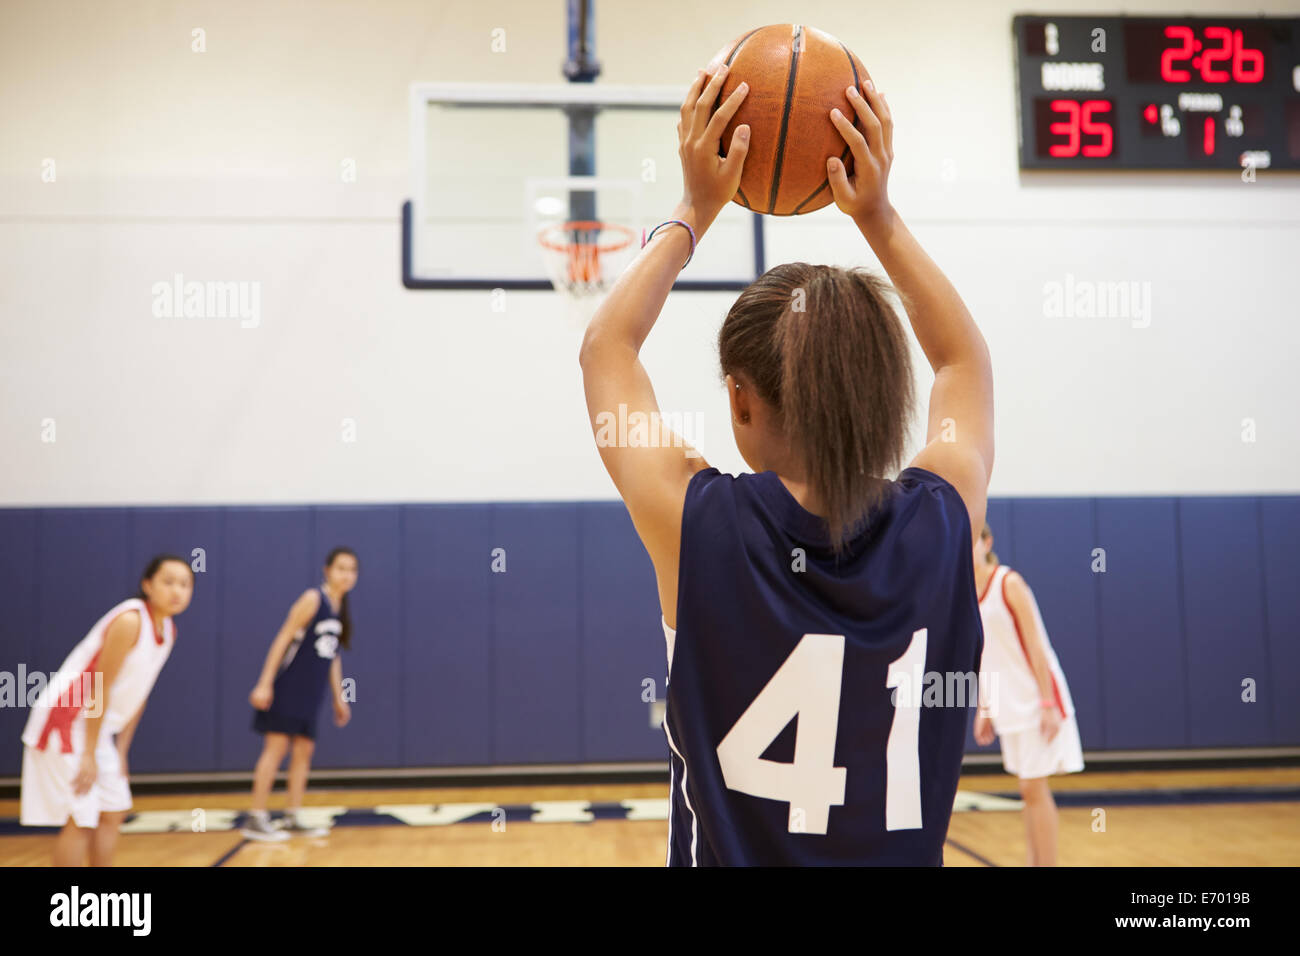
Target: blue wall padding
[(1280, 532), (536, 707), (446, 683), (622, 639), (1144, 670), (548, 662), (19, 624), (1223, 601)]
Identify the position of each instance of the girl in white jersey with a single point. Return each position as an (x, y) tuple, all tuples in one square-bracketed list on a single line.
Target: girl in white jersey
[(79, 731), (1028, 702)]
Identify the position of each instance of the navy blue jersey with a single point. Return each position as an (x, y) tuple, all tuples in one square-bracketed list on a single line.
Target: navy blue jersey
[(787, 743), (304, 672)]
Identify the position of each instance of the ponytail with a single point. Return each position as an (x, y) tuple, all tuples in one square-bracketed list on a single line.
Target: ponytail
[(824, 347), (345, 618)]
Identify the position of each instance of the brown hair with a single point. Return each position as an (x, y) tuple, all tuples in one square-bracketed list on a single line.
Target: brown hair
[(991, 557), (823, 346), (155, 565), (345, 618)]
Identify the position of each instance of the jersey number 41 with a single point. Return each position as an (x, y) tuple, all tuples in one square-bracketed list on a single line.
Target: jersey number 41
[(807, 685)]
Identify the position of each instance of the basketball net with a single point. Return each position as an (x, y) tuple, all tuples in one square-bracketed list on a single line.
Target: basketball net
[(583, 259)]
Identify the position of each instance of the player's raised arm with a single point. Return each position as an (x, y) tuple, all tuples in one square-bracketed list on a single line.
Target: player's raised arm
[(959, 436), (652, 480)]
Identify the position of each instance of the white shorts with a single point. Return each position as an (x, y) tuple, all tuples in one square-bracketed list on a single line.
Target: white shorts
[(1028, 755), (47, 797)]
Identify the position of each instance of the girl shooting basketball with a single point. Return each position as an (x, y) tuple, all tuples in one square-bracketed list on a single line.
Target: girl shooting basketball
[(812, 587), (302, 662), (1030, 706), (80, 729)]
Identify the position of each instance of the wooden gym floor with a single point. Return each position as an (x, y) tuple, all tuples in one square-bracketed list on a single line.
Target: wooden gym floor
[(1237, 817)]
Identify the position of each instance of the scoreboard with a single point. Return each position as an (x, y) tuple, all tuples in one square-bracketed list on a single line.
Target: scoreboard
[(1110, 92)]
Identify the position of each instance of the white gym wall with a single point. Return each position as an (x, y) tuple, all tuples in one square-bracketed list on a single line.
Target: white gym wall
[(229, 165)]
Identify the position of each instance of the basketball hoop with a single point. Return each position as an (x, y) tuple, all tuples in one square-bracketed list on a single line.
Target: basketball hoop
[(583, 259)]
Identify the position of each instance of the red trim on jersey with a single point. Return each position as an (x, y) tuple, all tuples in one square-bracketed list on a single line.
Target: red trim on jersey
[(67, 708), (1056, 691), (63, 713), (989, 583), (158, 633)]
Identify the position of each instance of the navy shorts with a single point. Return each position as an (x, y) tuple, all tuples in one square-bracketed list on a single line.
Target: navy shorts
[(271, 722)]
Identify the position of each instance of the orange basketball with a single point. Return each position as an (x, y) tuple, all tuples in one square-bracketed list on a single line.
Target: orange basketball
[(796, 76)]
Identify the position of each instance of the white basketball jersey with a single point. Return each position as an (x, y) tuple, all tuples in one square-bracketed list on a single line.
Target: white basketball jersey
[(59, 712), (1014, 698), (670, 636)]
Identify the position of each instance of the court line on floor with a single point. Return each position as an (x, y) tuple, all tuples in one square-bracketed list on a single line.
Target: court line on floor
[(231, 852), (1171, 796), (583, 811)]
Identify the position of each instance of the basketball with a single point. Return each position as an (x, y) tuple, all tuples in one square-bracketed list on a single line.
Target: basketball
[(796, 76)]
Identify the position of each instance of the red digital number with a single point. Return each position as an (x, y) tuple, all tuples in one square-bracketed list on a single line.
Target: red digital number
[(1081, 121), (1247, 65), (1167, 71), (1208, 141), (1210, 57), (1100, 128), (1068, 128)]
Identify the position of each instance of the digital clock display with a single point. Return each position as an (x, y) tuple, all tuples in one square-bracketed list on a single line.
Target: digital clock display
[(1158, 93)]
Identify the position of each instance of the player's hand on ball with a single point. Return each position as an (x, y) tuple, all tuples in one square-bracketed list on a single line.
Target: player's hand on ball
[(86, 774), (261, 696), (983, 730), (866, 194), (709, 180)]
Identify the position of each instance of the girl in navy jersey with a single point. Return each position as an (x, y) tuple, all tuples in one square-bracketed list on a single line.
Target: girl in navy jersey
[(1029, 703), (302, 663), (803, 604), (80, 729)]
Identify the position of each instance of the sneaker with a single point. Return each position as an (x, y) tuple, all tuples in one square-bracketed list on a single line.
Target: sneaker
[(261, 829), (292, 825)]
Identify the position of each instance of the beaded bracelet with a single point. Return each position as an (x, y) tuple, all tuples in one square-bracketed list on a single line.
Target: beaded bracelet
[(672, 222)]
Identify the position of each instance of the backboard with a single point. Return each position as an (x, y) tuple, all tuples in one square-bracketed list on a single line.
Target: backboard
[(480, 151)]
